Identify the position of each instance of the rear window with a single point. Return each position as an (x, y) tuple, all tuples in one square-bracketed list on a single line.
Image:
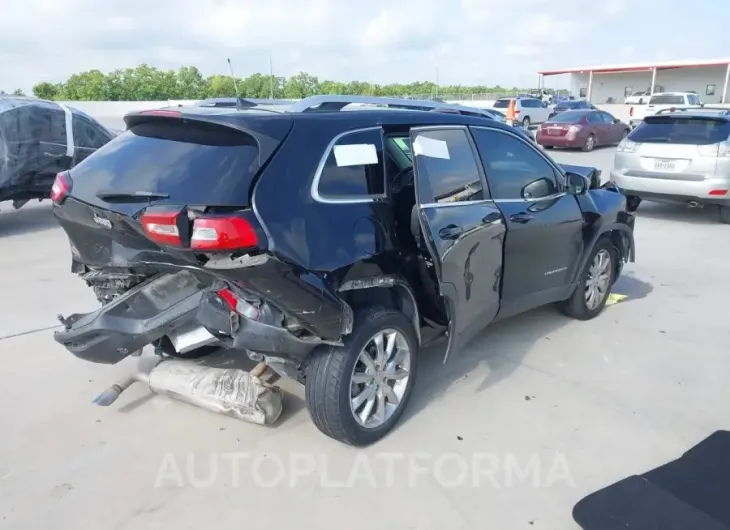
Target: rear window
[(570, 116), (674, 130), (501, 104), (667, 100), (201, 164)]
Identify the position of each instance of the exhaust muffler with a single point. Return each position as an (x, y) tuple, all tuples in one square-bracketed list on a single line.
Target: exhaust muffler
[(228, 391)]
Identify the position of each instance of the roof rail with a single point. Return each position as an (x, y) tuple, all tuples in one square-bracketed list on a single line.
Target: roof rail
[(335, 103), (712, 110)]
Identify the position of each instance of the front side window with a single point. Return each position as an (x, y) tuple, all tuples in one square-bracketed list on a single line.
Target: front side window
[(354, 167), (514, 169), (446, 167), (86, 135), (594, 117)]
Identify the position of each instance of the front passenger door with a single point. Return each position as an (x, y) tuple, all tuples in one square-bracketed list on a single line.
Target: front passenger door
[(544, 237), (463, 229)]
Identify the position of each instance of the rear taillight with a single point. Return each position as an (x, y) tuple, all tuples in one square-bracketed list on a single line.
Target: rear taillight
[(223, 233), (627, 146), (718, 193), (239, 305), (714, 150), (631, 111), (162, 227), (61, 187)]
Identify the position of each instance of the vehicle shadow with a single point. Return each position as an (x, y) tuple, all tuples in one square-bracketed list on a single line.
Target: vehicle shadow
[(678, 213), (29, 219), (499, 350), (494, 355)]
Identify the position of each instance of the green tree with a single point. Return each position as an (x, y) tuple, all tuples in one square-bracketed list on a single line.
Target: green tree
[(45, 90), (18, 92), (153, 84)]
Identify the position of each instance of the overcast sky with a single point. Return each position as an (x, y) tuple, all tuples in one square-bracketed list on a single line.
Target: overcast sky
[(463, 41)]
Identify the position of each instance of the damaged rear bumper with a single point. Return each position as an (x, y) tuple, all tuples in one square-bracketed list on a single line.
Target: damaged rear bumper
[(243, 333), (140, 316)]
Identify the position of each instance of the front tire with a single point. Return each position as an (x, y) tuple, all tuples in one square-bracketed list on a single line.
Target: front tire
[(594, 286), (356, 393)]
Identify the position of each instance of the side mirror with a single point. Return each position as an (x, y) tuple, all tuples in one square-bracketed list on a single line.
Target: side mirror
[(539, 188), (616, 121), (578, 184)]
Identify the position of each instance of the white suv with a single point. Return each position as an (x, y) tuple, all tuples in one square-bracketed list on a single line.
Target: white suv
[(529, 111)]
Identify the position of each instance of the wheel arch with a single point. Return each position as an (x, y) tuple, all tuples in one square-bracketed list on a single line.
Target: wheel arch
[(620, 235), (388, 291)]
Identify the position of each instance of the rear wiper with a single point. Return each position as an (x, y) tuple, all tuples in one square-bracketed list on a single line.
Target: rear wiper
[(130, 196)]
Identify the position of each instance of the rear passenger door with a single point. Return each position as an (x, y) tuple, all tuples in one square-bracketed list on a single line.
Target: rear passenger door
[(544, 225), (463, 229)]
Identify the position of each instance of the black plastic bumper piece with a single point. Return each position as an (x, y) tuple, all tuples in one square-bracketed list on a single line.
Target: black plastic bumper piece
[(140, 316), (247, 334)]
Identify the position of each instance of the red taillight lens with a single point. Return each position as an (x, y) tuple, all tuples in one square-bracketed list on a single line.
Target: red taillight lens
[(161, 227), (222, 233), (61, 187), (631, 111), (718, 192)]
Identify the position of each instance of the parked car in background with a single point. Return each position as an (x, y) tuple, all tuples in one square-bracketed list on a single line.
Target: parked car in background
[(638, 98), (570, 105), (584, 129), (662, 101), (38, 139), (681, 156), (529, 111)]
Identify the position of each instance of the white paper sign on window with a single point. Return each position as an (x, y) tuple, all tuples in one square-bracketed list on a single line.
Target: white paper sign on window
[(355, 155), (432, 148)]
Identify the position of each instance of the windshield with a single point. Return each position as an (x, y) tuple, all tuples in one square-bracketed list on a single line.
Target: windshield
[(571, 116), (667, 100), (684, 130), (502, 103)]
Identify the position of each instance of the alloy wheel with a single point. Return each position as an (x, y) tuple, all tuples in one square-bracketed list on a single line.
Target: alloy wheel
[(380, 378), (599, 278)]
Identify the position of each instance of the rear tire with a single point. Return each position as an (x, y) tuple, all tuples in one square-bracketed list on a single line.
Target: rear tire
[(589, 144), (724, 214), (336, 378), (580, 306), (548, 146), (526, 123)]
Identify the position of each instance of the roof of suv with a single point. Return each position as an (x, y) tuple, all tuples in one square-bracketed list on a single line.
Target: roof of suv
[(371, 110)]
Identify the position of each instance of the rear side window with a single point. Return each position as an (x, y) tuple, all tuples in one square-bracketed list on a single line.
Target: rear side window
[(447, 168), (667, 100), (501, 104), (685, 130), (195, 164), (87, 135), (354, 167)]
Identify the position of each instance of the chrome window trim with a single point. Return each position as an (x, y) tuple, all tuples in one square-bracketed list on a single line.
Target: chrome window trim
[(359, 199), (455, 203)]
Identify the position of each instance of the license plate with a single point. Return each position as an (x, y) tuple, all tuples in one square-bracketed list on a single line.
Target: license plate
[(664, 165), (554, 132)]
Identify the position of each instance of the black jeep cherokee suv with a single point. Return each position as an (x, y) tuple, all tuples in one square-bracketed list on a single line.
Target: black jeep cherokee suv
[(330, 243)]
